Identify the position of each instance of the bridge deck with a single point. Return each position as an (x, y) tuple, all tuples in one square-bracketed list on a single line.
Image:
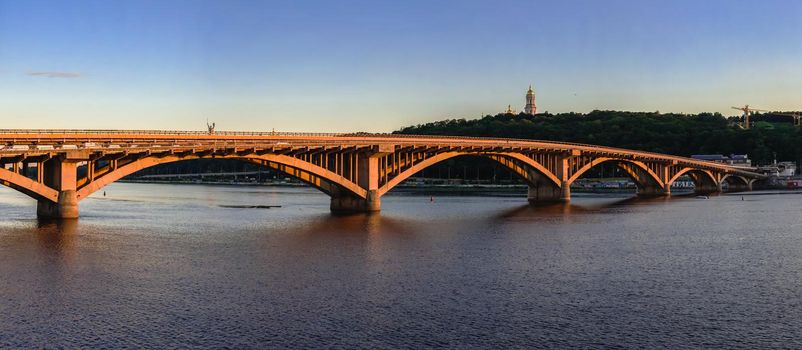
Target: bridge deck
[(42, 141)]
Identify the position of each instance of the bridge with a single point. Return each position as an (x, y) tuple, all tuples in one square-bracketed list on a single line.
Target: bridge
[(59, 168)]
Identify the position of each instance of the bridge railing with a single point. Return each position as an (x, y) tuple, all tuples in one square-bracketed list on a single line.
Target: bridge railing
[(159, 132)]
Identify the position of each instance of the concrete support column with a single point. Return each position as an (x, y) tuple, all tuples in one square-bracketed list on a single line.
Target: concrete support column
[(65, 208), (61, 175), (565, 195), (348, 204), (563, 174), (40, 172), (90, 171), (368, 171), (665, 178), (544, 193)]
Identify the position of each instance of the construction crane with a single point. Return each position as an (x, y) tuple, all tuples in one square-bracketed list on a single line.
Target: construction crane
[(748, 111)]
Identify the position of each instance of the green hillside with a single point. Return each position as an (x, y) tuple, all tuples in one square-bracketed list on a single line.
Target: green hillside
[(677, 134)]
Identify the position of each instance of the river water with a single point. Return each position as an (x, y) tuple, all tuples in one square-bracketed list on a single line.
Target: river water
[(163, 266)]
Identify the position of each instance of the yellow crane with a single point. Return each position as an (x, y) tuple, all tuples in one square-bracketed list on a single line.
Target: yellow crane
[(747, 110)]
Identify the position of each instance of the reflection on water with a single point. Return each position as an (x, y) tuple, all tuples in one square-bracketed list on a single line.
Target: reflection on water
[(56, 238), (215, 266), (56, 230), (351, 224)]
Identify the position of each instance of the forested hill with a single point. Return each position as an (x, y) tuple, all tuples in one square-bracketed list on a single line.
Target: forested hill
[(677, 134)]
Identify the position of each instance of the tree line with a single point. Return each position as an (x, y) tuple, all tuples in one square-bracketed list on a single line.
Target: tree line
[(669, 133)]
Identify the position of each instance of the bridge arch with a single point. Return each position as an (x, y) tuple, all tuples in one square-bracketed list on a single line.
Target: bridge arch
[(703, 180), (33, 189), (736, 182), (646, 180), (318, 177), (529, 170)]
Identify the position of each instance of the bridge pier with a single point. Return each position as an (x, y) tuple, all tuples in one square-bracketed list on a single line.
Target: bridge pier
[(546, 193), (61, 175), (349, 204), (368, 172), (65, 208), (654, 191)]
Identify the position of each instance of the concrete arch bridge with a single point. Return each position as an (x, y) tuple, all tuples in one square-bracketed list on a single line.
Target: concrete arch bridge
[(355, 170)]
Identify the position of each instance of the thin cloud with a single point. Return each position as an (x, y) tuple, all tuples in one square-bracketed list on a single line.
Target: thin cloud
[(55, 74)]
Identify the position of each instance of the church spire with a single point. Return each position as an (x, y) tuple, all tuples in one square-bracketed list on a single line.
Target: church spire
[(530, 108)]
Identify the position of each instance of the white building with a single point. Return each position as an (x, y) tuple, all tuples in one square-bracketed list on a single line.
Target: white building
[(531, 107)]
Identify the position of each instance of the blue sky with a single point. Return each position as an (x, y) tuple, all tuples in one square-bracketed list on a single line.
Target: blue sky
[(379, 65)]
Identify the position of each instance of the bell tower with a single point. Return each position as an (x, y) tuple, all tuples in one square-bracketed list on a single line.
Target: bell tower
[(530, 108)]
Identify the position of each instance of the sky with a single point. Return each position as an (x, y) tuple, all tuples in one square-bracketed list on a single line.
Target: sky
[(375, 65)]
